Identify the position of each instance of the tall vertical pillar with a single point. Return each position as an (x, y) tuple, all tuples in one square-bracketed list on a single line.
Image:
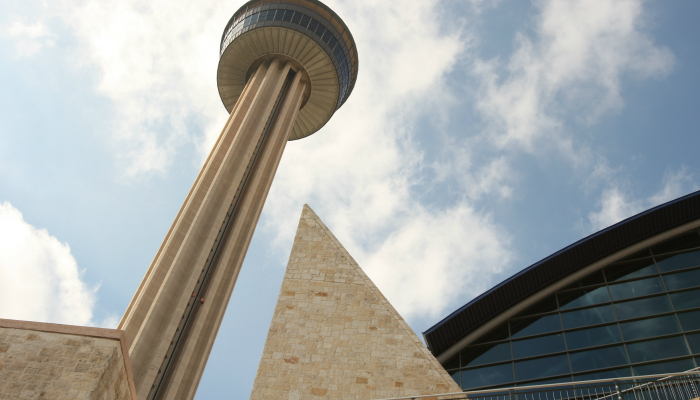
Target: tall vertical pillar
[(284, 69), (205, 247)]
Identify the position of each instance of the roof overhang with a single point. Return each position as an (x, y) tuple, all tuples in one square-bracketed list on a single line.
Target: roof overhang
[(571, 261)]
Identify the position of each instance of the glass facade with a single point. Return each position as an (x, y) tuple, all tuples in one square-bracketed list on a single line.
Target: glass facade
[(637, 316)]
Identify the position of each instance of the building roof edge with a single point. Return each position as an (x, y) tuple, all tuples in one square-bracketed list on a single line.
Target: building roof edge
[(526, 282)]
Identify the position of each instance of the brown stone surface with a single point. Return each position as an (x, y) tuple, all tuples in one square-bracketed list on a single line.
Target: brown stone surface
[(50, 361), (334, 335)]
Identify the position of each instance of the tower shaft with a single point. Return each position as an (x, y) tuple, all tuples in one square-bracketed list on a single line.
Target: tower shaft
[(172, 321)]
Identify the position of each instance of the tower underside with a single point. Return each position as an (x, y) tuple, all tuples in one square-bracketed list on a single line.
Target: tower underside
[(174, 316), (274, 41)]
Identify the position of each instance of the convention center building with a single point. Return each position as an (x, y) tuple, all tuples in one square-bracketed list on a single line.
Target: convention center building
[(622, 302)]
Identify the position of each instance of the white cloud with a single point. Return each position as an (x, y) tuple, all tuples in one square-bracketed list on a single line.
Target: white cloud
[(39, 278), (156, 62), (492, 177), (435, 258), (360, 172), (30, 38), (572, 69), (615, 205)]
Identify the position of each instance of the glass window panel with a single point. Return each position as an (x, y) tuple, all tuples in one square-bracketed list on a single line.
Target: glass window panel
[(542, 367), (543, 306), (651, 327), (612, 373), (296, 19), (538, 346), (247, 22), (456, 376), (682, 280), (498, 333), (452, 363), (642, 287), (643, 307), (630, 270), (664, 367), (270, 15), (485, 354), (598, 358), (686, 300), (535, 325), (487, 376), (304, 20), (254, 18), (593, 278), (582, 298), (279, 15), (690, 321), (327, 36), (657, 349), (694, 341), (588, 316), (288, 16), (682, 242), (332, 42), (678, 261), (263, 15), (320, 30), (593, 337), (313, 25)]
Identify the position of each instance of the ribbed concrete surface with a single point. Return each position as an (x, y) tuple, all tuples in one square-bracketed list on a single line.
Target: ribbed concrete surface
[(231, 175)]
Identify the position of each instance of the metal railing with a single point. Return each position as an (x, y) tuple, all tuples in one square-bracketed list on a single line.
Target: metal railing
[(678, 386)]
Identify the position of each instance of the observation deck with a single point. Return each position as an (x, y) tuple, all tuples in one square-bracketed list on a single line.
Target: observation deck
[(305, 32)]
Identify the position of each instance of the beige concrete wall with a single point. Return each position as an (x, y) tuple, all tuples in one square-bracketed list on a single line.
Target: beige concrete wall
[(231, 175), (61, 362), (334, 335)]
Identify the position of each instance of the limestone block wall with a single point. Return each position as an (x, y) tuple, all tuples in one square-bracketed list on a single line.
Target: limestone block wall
[(57, 362), (334, 335)]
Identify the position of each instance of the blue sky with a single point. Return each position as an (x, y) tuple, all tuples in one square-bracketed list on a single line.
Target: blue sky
[(481, 137)]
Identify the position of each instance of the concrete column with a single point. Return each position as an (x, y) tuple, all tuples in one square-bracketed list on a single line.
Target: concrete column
[(210, 237)]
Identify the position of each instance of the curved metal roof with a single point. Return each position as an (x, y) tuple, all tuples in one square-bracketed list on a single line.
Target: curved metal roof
[(536, 277)]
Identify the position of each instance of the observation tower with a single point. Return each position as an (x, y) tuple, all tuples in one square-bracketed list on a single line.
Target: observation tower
[(285, 67)]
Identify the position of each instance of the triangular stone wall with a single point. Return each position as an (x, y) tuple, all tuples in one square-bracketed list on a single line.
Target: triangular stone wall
[(334, 335)]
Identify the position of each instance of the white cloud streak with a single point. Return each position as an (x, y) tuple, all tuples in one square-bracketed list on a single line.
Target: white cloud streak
[(570, 69), (360, 171), (157, 63), (29, 39), (39, 277), (616, 205), (432, 259)]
